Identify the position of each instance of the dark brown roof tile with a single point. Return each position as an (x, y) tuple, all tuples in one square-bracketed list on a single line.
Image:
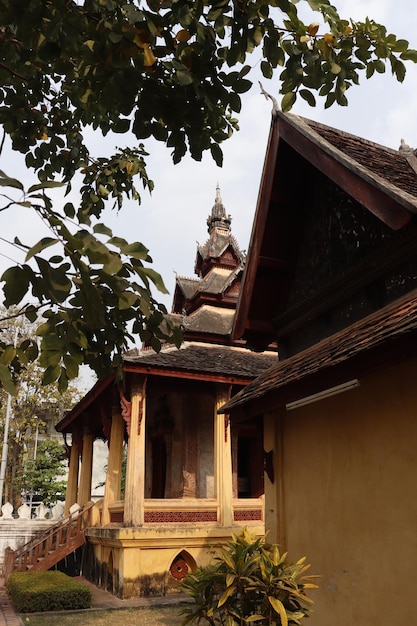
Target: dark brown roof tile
[(391, 322), (206, 358), (392, 165)]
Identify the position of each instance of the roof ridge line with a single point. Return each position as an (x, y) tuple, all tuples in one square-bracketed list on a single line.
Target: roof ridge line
[(373, 178)]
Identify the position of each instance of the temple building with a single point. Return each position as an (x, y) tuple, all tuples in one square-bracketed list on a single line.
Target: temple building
[(331, 274), (190, 480)]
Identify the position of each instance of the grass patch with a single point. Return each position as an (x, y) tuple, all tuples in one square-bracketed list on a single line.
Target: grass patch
[(166, 616)]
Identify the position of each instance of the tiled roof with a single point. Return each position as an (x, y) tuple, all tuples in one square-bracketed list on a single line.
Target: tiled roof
[(217, 280), (387, 169), (392, 165), (217, 244), (392, 322), (188, 286), (204, 358), (210, 319)]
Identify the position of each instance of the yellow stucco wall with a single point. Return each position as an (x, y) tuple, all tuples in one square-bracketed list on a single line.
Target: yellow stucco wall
[(139, 559), (347, 492)]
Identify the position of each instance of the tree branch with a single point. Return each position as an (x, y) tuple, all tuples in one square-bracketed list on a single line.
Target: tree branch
[(13, 73)]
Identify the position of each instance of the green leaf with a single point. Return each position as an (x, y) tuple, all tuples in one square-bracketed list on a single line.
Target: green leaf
[(52, 341), (102, 229), (409, 55), (316, 5), (401, 45), (127, 300), (266, 69), (69, 210), (308, 97), (135, 250), (55, 282), (177, 337), (71, 366), (6, 380), (30, 350), (288, 101), (331, 99), (280, 609), (113, 265), (16, 284), (50, 184), (44, 243), (6, 181), (44, 329), (8, 355), (217, 154), (242, 85), (50, 358), (63, 380), (31, 314), (226, 595), (184, 77), (399, 70), (230, 579), (51, 374), (154, 277), (379, 66)]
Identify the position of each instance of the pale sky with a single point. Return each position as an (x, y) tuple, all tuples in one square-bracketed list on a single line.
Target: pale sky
[(171, 221)]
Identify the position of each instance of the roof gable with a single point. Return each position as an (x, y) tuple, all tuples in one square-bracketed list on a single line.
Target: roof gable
[(300, 153)]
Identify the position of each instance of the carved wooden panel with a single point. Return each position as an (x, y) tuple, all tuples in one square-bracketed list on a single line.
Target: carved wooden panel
[(338, 233)]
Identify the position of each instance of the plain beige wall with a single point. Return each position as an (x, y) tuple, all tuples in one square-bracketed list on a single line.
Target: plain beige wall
[(349, 493)]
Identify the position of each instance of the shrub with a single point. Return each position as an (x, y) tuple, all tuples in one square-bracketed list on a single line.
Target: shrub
[(250, 582), (47, 591)]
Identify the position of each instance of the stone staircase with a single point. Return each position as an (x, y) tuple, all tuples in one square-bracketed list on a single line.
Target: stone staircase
[(51, 546)]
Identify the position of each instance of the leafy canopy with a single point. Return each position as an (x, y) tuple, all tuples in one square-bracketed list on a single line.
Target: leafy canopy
[(42, 477), (35, 410), (168, 69)]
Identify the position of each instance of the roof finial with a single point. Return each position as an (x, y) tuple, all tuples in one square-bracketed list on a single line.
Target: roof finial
[(218, 196), (275, 105), (404, 147), (218, 217)]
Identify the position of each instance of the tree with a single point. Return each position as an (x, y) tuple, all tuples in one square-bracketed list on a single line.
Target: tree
[(169, 69), (40, 480), (34, 409)]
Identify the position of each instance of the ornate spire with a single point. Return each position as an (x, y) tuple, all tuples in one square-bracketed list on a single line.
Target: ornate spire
[(218, 217)]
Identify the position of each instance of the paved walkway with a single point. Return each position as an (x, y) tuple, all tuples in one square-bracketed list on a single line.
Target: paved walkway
[(100, 600), (8, 616)]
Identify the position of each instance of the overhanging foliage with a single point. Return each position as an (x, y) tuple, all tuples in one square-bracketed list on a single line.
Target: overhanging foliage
[(168, 69)]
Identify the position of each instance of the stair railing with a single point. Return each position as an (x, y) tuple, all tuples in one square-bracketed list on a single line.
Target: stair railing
[(40, 546)]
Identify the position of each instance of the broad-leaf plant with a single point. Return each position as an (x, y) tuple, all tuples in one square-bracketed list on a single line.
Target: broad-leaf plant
[(249, 582)]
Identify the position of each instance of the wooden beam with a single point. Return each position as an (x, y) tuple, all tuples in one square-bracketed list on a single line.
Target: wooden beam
[(262, 209), (274, 264), (186, 374)]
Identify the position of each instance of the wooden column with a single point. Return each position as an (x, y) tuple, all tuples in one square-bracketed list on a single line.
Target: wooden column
[(114, 464), (71, 496), (223, 458), (135, 465), (84, 490), (273, 478)]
